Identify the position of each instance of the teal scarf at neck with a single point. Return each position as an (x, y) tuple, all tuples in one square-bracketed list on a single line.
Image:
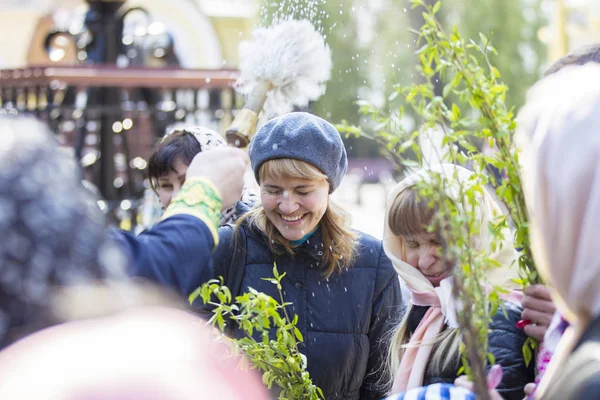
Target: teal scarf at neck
[(304, 238)]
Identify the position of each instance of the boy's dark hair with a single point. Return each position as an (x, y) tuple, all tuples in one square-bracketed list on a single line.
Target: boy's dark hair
[(580, 56), (178, 145)]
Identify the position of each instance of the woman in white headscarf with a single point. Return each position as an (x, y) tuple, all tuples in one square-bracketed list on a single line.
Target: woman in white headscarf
[(559, 132), (424, 346)]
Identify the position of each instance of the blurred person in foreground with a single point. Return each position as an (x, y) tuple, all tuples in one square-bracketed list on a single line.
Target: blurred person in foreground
[(540, 317), (560, 140), (58, 263), (561, 121), (538, 306)]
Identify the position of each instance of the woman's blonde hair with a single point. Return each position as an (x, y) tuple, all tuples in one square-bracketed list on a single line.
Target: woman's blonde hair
[(339, 241), (410, 215)]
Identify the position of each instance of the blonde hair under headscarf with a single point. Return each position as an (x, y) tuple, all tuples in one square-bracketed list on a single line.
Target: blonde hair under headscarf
[(559, 132), (453, 176), (414, 362)]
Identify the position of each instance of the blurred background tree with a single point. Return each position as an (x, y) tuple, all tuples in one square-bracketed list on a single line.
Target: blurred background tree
[(373, 48), (512, 27)]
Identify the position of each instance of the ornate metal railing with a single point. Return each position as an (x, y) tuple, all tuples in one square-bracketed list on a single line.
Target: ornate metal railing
[(112, 116)]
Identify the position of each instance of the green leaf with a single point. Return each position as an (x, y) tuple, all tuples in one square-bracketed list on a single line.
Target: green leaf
[(220, 322), (447, 89), (298, 334), (527, 354), (495, 72), (491, 358), (227, 294), (423, 49), (483, 38), (406, 145), (194, 295), (436, 7), (455, 112)]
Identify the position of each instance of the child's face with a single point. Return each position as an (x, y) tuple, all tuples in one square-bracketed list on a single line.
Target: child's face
[(423, 252), (294, 205), (170, 184)]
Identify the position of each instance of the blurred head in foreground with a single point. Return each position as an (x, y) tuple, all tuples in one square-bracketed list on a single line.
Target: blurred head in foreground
[(52, 234), (57, 264)]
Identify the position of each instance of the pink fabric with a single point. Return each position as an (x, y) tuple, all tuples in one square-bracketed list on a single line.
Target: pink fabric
[(414, 362), (429, 327), (548, 346), (514, 296), (424, 298)]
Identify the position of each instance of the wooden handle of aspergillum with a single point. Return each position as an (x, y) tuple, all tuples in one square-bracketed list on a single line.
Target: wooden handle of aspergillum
[(242, 128)]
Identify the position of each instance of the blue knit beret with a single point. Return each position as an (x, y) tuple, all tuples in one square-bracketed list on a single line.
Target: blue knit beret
[(301, 136)]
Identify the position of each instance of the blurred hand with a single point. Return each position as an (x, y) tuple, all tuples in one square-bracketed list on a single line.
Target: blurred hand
[(529, 389), (464, 382), (539, 309), (224, 167)]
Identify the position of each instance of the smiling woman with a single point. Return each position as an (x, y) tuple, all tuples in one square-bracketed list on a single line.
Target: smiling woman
[(338, 282), (294, 204)]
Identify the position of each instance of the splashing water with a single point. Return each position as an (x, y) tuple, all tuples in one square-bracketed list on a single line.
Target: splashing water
[(276, 12)]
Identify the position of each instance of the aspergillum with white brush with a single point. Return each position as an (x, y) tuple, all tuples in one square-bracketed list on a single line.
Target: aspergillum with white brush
[(282, 67)]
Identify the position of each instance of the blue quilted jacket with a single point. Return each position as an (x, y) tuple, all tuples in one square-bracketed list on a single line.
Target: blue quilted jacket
[(342, 319)]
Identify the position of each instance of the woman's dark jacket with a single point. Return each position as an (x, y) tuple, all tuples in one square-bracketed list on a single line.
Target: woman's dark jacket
[(505, 342), (342, 319), (579, 377)]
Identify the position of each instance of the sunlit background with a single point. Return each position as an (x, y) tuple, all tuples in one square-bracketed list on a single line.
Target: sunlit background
[(372, 50)]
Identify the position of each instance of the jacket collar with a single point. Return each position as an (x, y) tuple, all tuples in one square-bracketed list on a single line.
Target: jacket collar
[(313, 246)]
